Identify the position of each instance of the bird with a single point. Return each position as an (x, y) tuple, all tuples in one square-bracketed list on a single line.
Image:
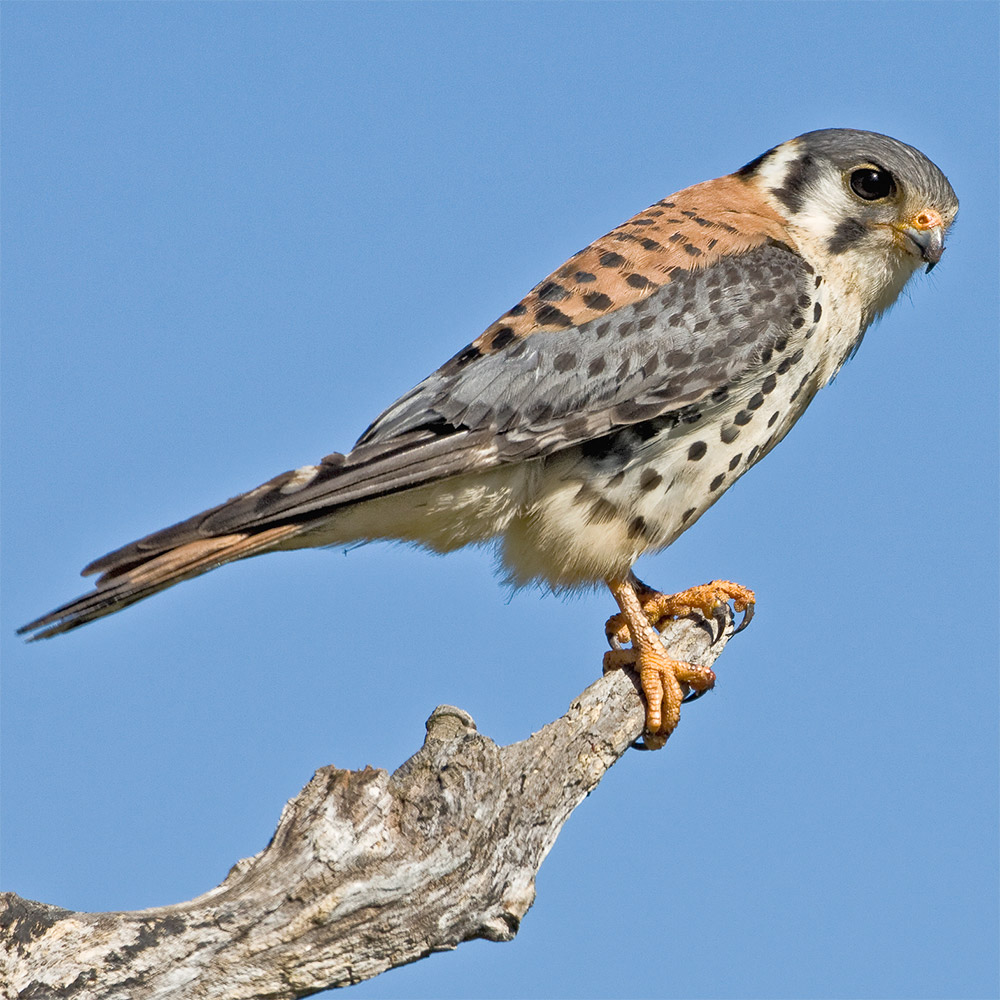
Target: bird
[(606, 411)]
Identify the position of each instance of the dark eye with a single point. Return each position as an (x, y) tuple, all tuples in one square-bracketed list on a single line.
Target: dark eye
[(872, 184)]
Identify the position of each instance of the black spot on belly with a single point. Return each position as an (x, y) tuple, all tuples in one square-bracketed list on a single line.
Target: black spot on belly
[(743, 417), (687, 515), (729, 433), (601, 512), (638, 528), (649, 479), (735, 460), (773, 419), (697, 451), (717, 482)]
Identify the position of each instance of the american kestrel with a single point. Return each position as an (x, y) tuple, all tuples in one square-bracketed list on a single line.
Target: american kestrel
[(603, 414)]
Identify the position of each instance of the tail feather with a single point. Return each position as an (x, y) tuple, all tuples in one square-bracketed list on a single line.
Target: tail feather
[(120, 588)]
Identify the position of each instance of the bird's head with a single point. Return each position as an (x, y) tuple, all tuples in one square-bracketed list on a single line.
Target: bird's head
[(870, 204)]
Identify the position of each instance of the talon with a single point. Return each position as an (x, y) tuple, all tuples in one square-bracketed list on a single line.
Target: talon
[(747, 617)]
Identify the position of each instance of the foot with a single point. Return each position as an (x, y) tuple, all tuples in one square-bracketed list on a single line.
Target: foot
[(661, 608), (666, 683)]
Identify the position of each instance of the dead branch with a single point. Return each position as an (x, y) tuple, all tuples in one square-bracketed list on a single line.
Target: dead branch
[(366, 871)]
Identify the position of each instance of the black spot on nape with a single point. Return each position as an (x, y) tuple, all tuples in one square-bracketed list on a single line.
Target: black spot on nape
[(597, 300), (666, 204), (519, 310), (611, 259), (650, 244), (502, 338), (792, 193), (649, 479), (697, 451), (551, 316), (596, 367), (552, 292), (817, 312), (749, 169), (847, 234), (585, 277), (567, 361), (464, 357), (638, 281), (781, 245), (692, 250), (642, 222)]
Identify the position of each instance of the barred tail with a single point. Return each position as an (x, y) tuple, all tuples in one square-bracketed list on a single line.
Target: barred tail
[(118, 588)]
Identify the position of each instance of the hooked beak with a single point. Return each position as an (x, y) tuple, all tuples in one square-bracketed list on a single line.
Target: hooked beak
[(926, 233)]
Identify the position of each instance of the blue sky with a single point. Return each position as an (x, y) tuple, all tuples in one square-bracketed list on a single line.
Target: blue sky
[(233, 233)]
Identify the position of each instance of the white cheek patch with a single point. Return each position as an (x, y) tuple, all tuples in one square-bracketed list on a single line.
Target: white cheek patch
[(824, 205)]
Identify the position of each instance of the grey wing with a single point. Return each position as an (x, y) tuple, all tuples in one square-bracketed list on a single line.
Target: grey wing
[(690, 337)]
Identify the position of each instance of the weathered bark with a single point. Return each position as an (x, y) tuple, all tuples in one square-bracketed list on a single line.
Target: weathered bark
[(366, 870)]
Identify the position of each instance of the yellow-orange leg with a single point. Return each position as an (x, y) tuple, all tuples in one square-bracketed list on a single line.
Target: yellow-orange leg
[(660, 676), (659, 608)]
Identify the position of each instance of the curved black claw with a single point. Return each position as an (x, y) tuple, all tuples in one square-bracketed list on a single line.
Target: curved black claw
[(693, 696), (747, 618)]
